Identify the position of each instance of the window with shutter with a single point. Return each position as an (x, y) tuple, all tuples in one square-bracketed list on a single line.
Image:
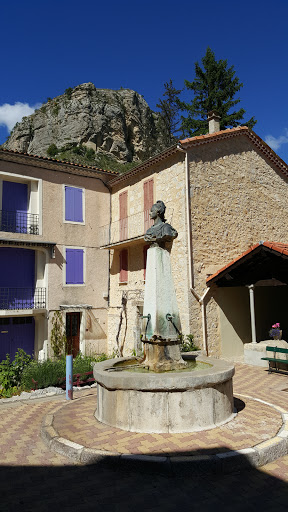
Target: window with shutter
[(73, 204), (123, 216), (74, 266), (148, 202), (123, 276)]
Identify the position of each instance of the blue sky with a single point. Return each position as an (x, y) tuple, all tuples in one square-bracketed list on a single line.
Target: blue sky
[(50, 46)]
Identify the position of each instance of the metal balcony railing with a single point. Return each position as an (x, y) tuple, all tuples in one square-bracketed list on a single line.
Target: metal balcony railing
[(19, 222), (22, 298), (131, 227)]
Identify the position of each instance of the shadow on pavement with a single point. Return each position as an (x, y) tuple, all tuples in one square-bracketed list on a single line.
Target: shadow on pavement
[(111, 486)]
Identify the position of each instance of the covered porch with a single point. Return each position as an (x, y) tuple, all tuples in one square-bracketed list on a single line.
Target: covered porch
[(252, 294)]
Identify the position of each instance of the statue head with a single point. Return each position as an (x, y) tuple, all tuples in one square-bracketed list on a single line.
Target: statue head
[(158, 210)]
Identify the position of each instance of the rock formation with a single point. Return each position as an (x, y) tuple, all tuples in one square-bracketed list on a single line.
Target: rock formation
[(115, 123)]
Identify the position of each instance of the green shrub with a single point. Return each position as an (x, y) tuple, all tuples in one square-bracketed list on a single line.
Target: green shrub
[(68, 92), (53, 373), (46, 373), (187, 343), (11, 371), (58, 337), (90, 154), (52, 150)]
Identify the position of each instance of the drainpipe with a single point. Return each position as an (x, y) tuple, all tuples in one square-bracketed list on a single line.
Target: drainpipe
[(252, 312), (189, 240)]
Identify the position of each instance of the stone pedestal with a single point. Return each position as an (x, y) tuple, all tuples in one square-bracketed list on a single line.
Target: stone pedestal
[(161, 322)]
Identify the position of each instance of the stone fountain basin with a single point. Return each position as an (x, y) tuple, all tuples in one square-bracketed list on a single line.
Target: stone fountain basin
[(174, 402)]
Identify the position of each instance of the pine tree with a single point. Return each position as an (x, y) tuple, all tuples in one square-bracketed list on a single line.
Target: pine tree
[(214, 88), (169, 111)]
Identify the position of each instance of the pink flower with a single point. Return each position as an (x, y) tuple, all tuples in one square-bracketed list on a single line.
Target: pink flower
[(276, 326)]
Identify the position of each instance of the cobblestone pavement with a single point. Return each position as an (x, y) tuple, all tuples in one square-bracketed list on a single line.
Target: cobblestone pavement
[(254, 423), (34, 479)]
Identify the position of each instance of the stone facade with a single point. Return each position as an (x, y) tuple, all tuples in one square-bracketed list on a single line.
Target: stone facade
[(55, 235), (237, 190), (169, 185), (238, 196)]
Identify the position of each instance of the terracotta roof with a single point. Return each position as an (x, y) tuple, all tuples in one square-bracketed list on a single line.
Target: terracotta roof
[(279, 247), (206, 139), (235, 132), (211, 136), (47, 159)]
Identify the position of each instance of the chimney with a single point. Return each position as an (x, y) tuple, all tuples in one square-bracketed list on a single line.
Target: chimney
[(213, 121)]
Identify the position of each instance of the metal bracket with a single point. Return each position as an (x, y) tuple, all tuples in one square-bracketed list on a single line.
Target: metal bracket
[(170, 319), (148, 320)]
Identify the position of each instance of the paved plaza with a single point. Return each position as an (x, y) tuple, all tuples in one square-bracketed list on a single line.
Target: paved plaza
[(34, 478)]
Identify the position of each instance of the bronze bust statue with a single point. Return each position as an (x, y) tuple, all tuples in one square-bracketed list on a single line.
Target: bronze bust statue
[(160, 232)]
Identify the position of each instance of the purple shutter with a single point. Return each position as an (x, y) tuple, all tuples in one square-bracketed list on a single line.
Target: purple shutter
[(15, 207), (73, 204), (74, 266)]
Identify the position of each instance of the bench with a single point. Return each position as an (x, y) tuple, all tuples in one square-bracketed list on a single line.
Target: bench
[(274, 359)]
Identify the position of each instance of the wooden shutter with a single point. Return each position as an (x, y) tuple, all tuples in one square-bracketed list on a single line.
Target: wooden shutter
[(123, 208), (73, 204), (148, 202), (123, 278)]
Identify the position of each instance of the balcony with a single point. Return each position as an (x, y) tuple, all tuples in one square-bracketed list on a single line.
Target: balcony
[(22, 298), (19, 222), (125, 231)]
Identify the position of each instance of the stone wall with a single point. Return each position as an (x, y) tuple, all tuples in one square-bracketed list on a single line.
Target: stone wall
[(238, 197), (169, 186)]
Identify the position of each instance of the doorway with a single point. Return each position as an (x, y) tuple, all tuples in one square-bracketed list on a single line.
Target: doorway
[(73, 333), (16, 332)]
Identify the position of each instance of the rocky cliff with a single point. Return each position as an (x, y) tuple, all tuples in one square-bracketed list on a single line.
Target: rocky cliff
[(118, 124)]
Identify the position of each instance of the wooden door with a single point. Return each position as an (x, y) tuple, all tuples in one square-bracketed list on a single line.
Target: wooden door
[(73, 333)]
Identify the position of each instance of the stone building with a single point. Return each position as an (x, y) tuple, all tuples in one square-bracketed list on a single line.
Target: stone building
[(49, 253), (224, 192), (71, 240)]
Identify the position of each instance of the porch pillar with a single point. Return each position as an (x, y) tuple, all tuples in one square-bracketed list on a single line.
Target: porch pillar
[(252, 312)]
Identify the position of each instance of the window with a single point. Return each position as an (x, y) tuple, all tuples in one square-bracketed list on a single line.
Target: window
[(123, 210), (123, 277), (73, 204), (74, 266), (148, 202)]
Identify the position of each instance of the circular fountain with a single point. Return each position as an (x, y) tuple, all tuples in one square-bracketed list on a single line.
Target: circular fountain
[(163, 392), (173, 401)]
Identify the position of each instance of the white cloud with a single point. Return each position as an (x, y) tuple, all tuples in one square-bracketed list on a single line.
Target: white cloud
[(276, 142), (12, 114)]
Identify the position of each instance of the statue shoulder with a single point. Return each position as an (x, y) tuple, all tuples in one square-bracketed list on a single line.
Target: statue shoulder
[(169, 230)]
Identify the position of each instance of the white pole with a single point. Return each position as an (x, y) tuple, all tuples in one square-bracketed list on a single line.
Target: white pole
[(252, 312)]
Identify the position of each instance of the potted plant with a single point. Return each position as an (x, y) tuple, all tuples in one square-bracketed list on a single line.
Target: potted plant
[(275, 332)]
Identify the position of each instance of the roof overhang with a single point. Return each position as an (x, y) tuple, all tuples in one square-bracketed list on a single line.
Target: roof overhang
[(137, 240), (29, 243), (262, 262)]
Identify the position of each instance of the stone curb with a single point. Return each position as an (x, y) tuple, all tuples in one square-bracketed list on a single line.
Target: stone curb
[(30, 395), (225, 462)]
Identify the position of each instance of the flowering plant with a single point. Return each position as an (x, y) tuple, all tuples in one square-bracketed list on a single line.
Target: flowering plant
[(275, 331)]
